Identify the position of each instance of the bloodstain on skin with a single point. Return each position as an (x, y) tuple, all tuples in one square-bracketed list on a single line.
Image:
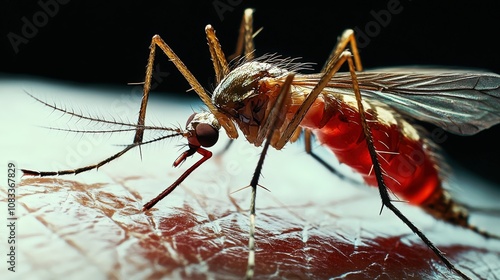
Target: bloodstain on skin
[(98, 229)]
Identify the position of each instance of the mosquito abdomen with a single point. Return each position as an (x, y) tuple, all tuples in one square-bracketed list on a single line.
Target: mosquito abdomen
[(410, 170), (408, 160)]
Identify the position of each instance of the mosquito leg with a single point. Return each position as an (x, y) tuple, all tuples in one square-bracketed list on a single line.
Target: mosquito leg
[(308, 148), (192, 149), (81, 169), (329, 167), (383, 190), (336, 59), (219, 61), (333, 67), (139, 134), (245, 37), (342, 43), (195, 85), (97, 165), (138, 138), (245, 44), (271, 125)]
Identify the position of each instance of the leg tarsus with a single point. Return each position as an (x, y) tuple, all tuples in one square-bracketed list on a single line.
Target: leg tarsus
[(270, 124), (383, 190), (308, 149), (245, 42), (81, 169), (342, 43)]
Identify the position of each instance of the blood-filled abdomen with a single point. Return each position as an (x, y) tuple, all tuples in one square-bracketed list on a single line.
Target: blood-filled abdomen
[(408, 165)]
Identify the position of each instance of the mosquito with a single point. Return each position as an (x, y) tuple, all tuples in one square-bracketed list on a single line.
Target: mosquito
[(364, 117)]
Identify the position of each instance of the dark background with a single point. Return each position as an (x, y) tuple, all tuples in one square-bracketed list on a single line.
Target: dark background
[(106, 42)]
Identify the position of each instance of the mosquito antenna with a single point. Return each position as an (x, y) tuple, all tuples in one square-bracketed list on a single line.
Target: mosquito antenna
[(80, 116), (88, 131), (178, 130)]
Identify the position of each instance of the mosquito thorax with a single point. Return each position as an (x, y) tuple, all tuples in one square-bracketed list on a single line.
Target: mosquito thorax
[(242, 84), (242, 94), (203, 129)]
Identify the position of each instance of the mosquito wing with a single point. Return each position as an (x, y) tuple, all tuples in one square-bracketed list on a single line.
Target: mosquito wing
[(461, 102)]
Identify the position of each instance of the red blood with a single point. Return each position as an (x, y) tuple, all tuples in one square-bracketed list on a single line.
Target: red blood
[(410, 170)]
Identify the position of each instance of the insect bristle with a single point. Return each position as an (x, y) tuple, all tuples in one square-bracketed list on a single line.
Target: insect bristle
[(124, 126), (291, 64)]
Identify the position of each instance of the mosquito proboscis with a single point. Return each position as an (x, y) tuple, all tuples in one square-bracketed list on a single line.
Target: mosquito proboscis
[(362, 116)]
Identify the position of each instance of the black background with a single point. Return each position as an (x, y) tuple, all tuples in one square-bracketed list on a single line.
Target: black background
[(106, 42)]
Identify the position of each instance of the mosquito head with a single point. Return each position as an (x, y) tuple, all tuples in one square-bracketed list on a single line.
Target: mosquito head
[(203, 129), (244, 94)]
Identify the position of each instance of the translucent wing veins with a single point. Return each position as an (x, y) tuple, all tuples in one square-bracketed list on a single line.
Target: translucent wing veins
[(461, 102)]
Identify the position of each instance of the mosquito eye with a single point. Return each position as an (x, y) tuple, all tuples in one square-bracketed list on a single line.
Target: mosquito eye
[(206, 135)]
